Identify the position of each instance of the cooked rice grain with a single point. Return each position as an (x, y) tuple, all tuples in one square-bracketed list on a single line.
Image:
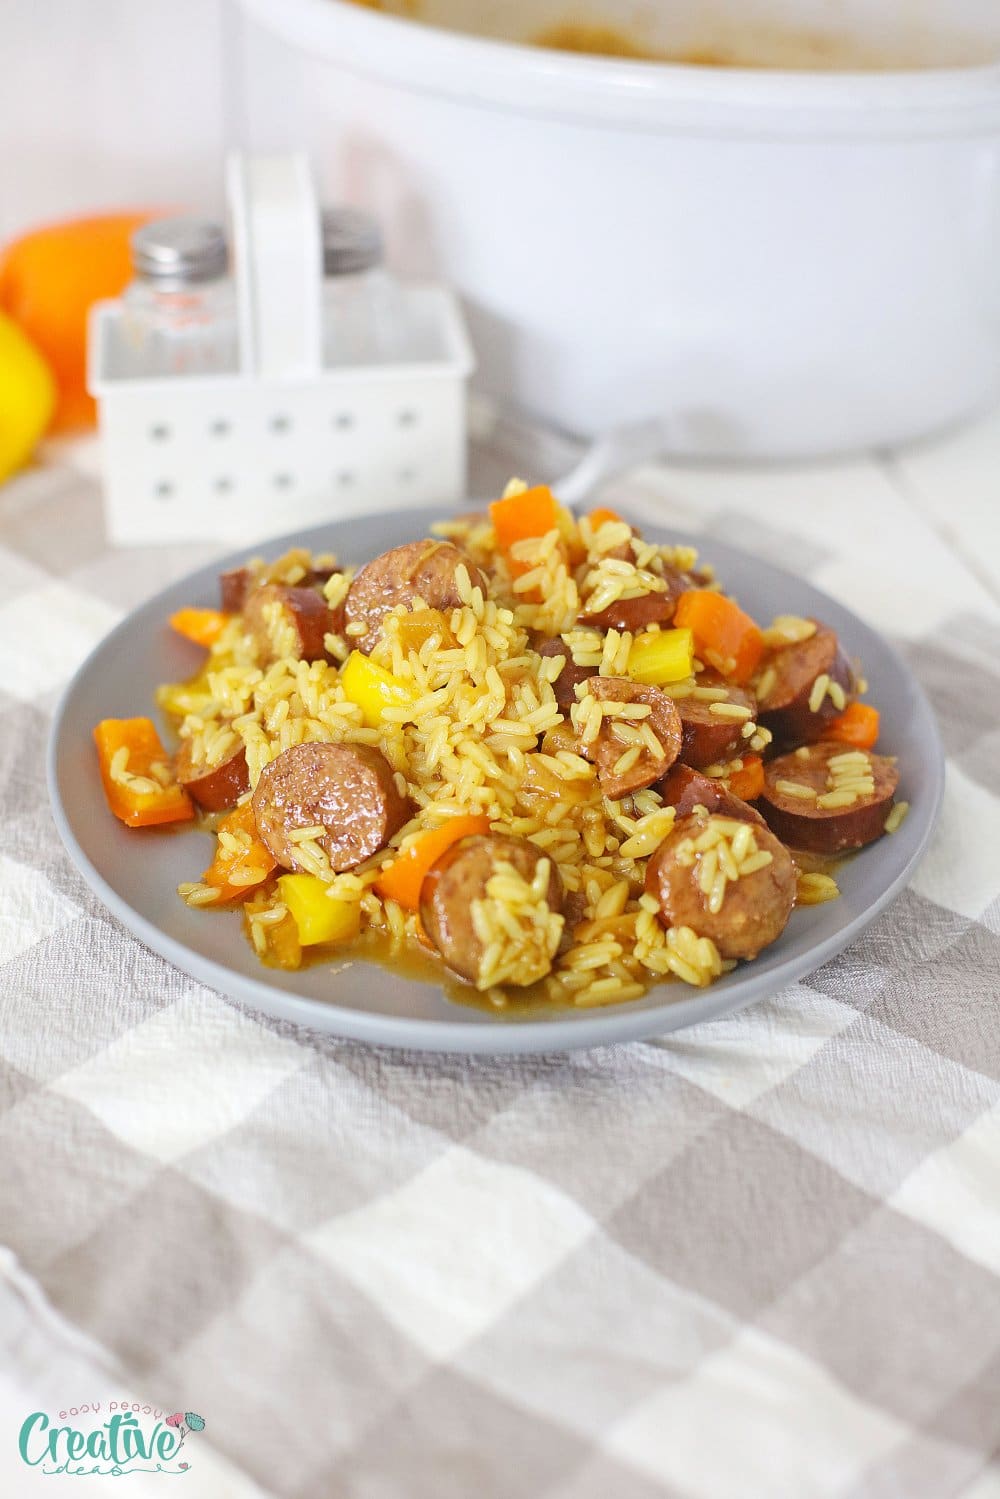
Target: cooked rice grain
[(478, 699)]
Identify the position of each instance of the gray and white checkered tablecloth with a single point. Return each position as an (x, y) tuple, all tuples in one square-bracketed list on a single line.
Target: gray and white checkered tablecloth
[(759, 1259)]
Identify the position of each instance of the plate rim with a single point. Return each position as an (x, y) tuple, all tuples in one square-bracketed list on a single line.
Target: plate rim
[(509, 1035)]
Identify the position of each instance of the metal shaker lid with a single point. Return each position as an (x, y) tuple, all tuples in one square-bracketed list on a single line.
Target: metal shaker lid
[(352, 241), (180, 249)]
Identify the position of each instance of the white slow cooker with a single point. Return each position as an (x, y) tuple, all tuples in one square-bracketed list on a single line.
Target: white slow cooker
[(783, 262)]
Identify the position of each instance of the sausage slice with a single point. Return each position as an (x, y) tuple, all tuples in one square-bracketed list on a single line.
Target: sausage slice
[(639, 613), (787, 682), (753, 910), (348, 790), (571, 675), (288, 621), (711, 733), (460, 877), (418, 569), (234, 586), (802, 805), (216, 787), (618, 769), (684, 789)]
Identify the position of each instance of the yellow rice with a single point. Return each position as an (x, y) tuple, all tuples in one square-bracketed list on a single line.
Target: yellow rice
[(467, 743)]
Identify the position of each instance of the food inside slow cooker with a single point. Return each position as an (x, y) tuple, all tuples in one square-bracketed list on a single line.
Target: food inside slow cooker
[(708, 37)]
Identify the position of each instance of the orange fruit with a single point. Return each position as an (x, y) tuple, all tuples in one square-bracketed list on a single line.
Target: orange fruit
[(49, 279)]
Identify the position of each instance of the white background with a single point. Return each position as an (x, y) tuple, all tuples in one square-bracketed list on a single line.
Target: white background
[(114, 103)]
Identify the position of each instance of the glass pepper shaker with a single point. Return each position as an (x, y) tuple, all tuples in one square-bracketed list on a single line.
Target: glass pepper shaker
[(180, 309), (361, 307)]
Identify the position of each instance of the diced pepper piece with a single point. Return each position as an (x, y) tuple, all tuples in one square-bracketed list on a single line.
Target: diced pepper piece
[(661, 656), (537, 780), (138, 778), (561, 736), (242, 861), (724, 636), (401, 880), (282, 948), (318, 916), (203, 626), (533, 512), (857, 725), (601, 516), (748, 783), (416, 628), (372, 688)]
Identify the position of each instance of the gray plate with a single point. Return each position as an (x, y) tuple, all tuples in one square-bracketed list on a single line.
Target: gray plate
[(136, 871)]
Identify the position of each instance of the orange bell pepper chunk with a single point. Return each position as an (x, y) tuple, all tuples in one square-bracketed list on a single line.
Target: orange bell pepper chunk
[(137, 774), (857, 725), (401, 880), (414, 630), (236, 871), (520, 516), (203, 626), (601, 516), (724, 636), (282, 948), (748, 783)]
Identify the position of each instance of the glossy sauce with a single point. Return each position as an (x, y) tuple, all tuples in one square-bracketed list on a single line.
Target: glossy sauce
[(415, 962)]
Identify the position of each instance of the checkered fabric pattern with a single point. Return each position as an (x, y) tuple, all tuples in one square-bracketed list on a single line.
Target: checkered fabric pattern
[(758, 1259)]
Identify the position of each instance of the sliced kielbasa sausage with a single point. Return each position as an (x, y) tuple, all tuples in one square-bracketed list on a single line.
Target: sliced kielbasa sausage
[(619, 770), (460, 877), (566, 682), (418, 569), (349, 790), (234, 586), (639, 613), (825, 798), (751, 911), (288, 621), (788, 686), (712, 730), (685, 789), (214, 787)]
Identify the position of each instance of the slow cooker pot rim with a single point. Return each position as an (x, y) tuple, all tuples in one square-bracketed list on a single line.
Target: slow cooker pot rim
[(606, 91)]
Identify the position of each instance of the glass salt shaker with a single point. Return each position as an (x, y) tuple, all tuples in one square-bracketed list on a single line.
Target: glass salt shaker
[(361, 306), (180, 310)]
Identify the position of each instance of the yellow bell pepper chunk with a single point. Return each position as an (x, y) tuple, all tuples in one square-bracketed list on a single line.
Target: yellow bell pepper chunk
[(318, 917), (372, 688), (661, 656)]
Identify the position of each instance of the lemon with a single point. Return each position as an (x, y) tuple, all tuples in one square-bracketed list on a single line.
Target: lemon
[(27, 397)]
